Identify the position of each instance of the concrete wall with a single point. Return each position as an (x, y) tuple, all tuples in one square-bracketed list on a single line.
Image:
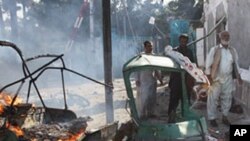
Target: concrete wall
[(237, 14), (239, 26), (200, 48), (242, 91), (214, 10), (237, 22)]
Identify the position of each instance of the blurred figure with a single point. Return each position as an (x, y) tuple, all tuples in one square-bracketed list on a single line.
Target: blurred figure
[(175, 83), (146, 82), (221, 68)]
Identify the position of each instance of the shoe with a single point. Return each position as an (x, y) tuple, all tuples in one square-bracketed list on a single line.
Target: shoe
[(213, 123), (225, 120)]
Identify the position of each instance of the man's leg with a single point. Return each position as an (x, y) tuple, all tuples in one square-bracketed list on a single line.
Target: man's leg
[(212, 102), (175, 96), (151, 100), (138, 102), (226, 100), (144, 97)]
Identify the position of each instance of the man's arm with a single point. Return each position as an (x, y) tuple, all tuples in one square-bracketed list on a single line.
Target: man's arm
[(137, 79), (216, 63), (240, 81), (159, 76), (209, 62), (191, 56)]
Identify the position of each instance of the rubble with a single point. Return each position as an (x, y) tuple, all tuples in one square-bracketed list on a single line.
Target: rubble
[(57, 131)]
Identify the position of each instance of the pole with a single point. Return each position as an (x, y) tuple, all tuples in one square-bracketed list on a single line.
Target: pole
[(125, 34), (107, 54), (13, 18), (91, 19), (1, 21), (125, 30)]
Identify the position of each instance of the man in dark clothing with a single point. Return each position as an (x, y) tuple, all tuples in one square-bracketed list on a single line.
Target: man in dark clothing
[(175, 82)]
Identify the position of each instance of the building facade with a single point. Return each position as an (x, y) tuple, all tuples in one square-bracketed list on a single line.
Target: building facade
[(231, 15)]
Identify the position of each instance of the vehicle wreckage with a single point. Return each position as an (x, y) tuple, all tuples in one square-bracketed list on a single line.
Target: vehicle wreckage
[(26, 122), (188, 126)]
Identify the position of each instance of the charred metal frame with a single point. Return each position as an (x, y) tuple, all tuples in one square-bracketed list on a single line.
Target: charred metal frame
[(39, 71)]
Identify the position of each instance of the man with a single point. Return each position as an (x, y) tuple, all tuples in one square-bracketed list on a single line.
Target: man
[(221, 61), (146, 82), (175, 83)]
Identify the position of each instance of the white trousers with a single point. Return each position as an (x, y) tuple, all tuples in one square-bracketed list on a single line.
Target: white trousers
[(146, 98), (224, 91)]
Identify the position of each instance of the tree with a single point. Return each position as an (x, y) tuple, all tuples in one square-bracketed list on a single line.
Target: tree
[(137, 13), (187, 9), (10, 5)]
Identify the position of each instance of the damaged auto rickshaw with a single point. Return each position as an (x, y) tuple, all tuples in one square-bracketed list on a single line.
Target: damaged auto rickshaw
[(188, 126)]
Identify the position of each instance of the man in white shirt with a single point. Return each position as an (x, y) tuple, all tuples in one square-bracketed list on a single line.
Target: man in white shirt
[(220, 63), (146, 82)]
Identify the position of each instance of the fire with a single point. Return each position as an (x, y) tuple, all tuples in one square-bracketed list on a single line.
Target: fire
[(6, 99), (16, 129), (74, 137)]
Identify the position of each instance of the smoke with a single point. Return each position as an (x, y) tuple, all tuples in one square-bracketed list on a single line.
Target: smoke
[(10, 66), (38, 35)]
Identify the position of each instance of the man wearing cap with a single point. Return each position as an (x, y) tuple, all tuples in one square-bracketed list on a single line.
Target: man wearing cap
[(175, 83)]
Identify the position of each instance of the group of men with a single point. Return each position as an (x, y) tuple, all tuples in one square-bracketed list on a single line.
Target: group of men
[(221, 69)]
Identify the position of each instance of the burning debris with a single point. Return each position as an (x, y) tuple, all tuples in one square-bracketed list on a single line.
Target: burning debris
[(6, 99), (24, 121), (21, 121), (70, 131)]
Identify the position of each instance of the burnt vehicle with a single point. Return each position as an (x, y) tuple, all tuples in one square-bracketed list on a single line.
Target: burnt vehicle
[(188, 124), (63, 122)]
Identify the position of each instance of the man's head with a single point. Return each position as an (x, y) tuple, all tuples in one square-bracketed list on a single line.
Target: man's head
[(183, 40), (224, 38), (148, 48)]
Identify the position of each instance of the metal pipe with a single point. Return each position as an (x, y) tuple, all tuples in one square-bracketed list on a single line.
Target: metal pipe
[(209, 33), (107, 45)]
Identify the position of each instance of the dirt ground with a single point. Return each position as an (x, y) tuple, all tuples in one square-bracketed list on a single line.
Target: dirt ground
[(96, 108), (86, 99)]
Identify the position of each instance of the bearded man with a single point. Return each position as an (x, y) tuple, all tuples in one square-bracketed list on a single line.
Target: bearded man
[(221, 68)]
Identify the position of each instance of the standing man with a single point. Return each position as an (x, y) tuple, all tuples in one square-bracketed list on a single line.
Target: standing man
[(221, 68), (175, 82), (146, 82)]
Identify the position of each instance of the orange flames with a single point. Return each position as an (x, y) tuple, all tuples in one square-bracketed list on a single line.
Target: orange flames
[(6, 99), (77, 136), (16, 129)]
